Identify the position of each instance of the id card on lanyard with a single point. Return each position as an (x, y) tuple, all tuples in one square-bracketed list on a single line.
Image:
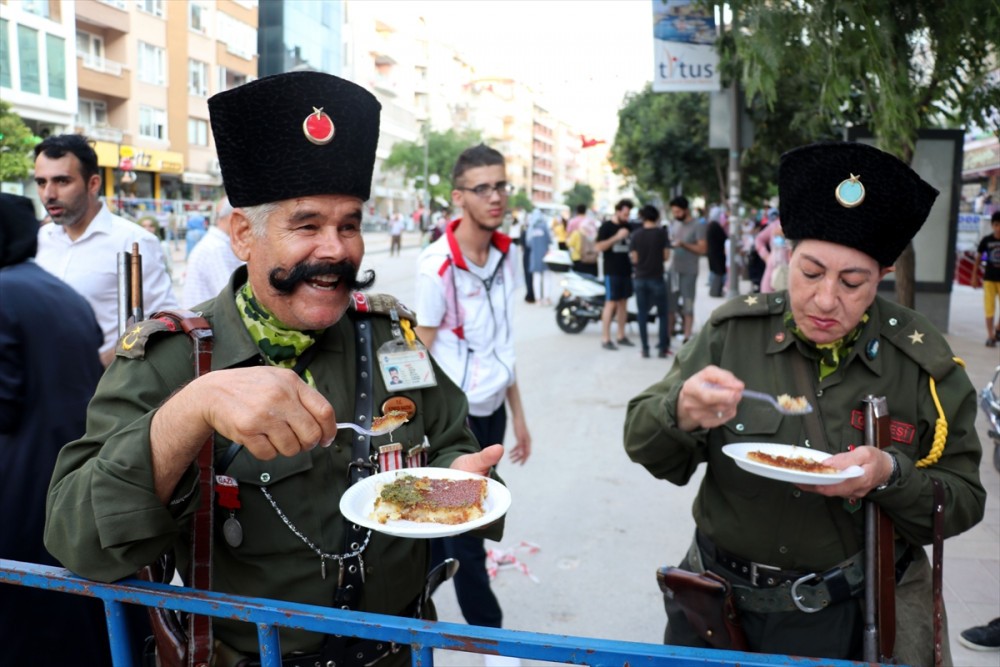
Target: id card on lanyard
[(403, 361)]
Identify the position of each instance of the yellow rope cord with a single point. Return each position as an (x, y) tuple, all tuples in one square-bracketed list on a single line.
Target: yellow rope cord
[(408, 332), (940, 427)]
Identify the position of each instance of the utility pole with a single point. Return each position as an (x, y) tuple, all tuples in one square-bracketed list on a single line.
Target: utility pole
[(735, 142), (426, 218)]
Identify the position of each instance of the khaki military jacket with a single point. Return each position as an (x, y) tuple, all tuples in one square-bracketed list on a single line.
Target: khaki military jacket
[(105, 521), (774, 522)]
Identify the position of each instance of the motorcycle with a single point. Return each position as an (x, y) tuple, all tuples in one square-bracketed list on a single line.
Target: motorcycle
[(989, 403), (581, 300)]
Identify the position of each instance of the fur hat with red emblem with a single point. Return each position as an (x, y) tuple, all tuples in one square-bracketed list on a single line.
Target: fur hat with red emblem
[(293, 135), (854, 195)]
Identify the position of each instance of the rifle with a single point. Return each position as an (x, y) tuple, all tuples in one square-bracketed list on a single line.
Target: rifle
[(129, 289), (880, 563)]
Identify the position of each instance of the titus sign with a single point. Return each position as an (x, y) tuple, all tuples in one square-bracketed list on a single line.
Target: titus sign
[(683, 48)]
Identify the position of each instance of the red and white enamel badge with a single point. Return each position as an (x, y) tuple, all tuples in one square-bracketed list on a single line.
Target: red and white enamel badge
[(318, 127)]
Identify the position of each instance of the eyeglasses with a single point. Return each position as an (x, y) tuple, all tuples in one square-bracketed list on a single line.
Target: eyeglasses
[(485, 190)]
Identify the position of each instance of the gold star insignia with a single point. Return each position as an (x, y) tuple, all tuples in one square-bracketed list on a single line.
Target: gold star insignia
[(916, 337), (751, 300), (131, 338)]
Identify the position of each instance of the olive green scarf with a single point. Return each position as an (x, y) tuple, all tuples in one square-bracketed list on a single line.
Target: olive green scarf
[(830, 354), (280, 345)]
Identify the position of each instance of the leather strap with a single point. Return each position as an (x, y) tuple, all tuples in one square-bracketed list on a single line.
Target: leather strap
[(937, 575), (351, 570), (199, 627)]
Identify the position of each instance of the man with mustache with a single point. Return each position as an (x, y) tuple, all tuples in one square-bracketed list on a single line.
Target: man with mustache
[(294, 350), (82, 246)]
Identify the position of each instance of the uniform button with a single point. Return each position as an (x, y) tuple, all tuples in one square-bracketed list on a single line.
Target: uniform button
[(265, 477), (364, 374), (783, 550), (364, 358), (807, 443), (779, 300), (819, 393), (796, 493), (893, 321), (364, 395), (740, 427)]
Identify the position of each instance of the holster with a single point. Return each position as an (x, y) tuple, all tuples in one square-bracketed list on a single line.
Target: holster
[(170, 641), (707, 602)]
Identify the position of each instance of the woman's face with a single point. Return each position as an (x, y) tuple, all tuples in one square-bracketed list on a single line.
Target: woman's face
[(830, 287)]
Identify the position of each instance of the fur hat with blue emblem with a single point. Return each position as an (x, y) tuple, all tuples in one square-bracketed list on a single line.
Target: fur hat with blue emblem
[(294, 135), (854, 195)]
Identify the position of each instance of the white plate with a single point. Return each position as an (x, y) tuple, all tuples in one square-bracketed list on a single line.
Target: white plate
[(358, 503), (738, 452)]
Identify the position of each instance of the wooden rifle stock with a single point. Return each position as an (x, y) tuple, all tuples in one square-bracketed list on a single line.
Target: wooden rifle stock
[(880, 561)]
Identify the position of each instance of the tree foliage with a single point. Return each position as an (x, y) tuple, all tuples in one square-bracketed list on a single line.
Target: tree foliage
[(522, 201), (896, 66), (443, 149), (580, 193), (662, 144), (16, 142)]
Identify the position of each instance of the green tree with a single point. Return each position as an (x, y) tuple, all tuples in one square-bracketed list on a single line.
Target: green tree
[(580, 193), (662, 144), (522, 201), (442, 149), (895, 66), (16, 142)]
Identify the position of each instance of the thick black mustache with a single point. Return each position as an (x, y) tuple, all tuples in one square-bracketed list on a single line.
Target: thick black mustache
[(285, 280)]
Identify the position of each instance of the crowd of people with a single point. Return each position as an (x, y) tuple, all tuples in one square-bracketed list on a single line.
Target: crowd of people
[(148, 431)]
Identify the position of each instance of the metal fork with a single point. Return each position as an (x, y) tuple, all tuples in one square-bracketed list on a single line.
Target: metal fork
[(767, 398), (362, 429)]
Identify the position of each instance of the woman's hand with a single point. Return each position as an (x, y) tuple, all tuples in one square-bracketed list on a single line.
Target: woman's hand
[(708, 399)]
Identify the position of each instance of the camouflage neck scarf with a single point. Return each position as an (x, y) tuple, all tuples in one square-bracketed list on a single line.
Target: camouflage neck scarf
[(830, 354), (280, 345)]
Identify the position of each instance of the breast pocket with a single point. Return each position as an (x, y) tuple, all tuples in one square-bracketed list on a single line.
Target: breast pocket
[(267, 523), (753, 423)]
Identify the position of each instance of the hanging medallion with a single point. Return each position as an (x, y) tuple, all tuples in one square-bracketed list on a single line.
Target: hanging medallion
[(850, 192)]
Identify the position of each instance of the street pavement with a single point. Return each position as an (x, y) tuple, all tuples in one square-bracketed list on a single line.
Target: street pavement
[(588, 528)]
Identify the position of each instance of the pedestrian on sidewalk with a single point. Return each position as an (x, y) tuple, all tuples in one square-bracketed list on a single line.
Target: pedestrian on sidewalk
[(612, 240), (650, 248), (687, 238), (832, 339), (989, 251), (466, 286)]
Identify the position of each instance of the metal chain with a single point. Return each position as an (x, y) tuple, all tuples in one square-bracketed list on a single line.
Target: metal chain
[(340, 558)]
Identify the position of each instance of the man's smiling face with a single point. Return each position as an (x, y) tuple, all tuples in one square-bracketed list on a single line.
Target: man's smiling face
[(314, 231)]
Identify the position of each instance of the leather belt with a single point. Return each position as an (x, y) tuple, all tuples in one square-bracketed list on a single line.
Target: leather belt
[(768, 589), (758, 574)]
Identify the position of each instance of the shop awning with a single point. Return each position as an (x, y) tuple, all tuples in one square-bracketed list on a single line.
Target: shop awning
[(197, 178)]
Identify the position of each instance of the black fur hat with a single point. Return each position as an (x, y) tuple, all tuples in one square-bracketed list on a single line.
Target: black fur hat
[(854, 195), (295, 134)]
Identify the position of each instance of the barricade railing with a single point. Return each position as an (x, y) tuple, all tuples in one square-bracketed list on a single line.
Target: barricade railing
[(422, 636)]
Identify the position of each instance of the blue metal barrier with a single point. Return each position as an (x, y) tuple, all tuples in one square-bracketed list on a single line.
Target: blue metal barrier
[(422, 636)]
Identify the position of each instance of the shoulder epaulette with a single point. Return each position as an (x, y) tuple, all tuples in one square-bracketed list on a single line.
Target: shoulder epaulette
[(917, 338), (381, 304), (750, 305), (132, 344)]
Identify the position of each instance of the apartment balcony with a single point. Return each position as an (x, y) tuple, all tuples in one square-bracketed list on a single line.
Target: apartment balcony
[(102, 132), (103, 14), (102, 76)]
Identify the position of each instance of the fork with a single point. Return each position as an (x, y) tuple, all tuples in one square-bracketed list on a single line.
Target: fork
[(362, 429), (767, 398)]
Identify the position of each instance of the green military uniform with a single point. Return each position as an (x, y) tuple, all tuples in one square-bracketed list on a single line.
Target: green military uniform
[(775, 523), (105, 521)]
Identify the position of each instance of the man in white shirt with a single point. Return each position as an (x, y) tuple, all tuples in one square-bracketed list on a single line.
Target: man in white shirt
[(212, 261), (82, 245), (466, 285)]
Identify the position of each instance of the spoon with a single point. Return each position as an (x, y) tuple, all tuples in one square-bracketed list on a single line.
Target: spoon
[(380, 425), (784, 404)]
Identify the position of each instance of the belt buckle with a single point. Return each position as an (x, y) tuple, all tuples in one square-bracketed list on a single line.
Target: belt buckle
[(757, 568), (797, 599)]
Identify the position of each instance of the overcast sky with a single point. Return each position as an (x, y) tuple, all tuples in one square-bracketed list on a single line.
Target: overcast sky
[(584, 54)]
